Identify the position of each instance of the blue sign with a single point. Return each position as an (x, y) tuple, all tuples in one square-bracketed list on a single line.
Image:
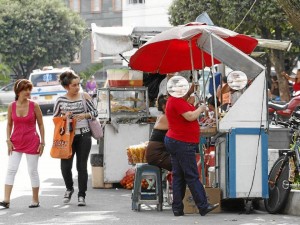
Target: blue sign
[(47, 77)]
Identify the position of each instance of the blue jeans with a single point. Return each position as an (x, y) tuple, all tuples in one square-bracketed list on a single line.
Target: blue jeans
[(81, 146), (185, 172)]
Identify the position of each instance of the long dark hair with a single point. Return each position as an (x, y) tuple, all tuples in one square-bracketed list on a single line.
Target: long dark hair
[(161, 101), (66, 78)]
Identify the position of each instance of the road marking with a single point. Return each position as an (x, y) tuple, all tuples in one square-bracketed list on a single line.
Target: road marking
[(17, 214)]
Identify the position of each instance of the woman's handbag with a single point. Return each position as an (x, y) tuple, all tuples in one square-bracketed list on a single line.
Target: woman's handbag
[(62, 138), (94, 124)]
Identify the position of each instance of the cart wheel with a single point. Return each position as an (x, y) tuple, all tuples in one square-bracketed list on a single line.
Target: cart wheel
[(169, 194), (159, 207), (170, 198), (248, 207), (139, 207), (134, 206)]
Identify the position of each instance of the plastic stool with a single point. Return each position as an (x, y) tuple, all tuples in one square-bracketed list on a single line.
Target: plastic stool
[(139, 196)]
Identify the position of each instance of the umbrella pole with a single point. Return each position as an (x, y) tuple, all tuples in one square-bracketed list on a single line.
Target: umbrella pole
[(192, 63), (204, 81), (195, 75), (191, 55), (214, 83)]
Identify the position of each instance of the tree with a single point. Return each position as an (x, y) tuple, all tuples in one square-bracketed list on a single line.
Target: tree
[(36, 33), (292, 10), (4, 74), (265, 20)]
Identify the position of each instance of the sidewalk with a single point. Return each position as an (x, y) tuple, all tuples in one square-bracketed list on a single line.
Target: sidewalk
[(113, 206), (105, 206)]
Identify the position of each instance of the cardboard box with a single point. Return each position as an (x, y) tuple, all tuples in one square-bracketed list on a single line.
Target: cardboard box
[(97, 177), (189, 204), (213, 195)]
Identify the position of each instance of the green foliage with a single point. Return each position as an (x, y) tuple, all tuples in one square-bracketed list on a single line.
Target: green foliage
[(297, 181), (185, 11), (36, 33), (3, 109), (4, 71), (265, 20), (85, 74), (4, 74)]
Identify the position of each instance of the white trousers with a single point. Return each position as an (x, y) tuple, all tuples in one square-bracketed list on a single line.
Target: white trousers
[(32, 166)]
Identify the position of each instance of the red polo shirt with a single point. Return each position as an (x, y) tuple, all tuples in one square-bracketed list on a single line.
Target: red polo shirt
[(179, 128)]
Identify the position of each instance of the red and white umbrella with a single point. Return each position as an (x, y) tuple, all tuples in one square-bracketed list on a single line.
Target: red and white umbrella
[(176, 49)]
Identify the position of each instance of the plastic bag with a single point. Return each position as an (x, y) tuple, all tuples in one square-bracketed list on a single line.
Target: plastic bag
[(128, 179), (62, 139)]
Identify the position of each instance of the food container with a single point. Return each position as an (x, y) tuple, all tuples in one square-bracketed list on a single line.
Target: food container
[(124, 78), (136, 153), (208, 131)]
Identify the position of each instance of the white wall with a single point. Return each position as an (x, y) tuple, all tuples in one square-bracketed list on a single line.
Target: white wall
[(152, 13)]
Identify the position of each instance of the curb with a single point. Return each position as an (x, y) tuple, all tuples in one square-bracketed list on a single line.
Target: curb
[(293, 207)]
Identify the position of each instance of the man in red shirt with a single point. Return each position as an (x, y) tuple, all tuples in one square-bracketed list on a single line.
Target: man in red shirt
[(182, 141)]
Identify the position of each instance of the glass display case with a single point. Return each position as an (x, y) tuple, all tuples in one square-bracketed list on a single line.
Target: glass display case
[(122, 102)]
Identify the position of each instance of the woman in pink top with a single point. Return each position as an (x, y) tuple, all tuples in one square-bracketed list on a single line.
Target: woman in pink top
[(22, 138)]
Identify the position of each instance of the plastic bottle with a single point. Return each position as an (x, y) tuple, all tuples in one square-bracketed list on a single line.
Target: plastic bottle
[(70, 124)]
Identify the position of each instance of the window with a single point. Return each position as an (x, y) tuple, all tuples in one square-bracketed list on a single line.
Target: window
[(96, 5), (136, 1), (77, 57), (117, 5), (75, 5)]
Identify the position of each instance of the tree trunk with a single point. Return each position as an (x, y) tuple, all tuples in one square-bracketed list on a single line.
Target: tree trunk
[(292, 9), (277, 59)]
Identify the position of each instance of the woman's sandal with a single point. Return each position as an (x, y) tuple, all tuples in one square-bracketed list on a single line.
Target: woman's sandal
[(34, 205), (4, 204)]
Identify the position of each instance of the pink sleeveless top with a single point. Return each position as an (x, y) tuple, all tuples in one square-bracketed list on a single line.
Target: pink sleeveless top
[(25, 137)]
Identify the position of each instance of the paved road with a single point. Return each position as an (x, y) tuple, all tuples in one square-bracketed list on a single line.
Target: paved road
[(104, 206)]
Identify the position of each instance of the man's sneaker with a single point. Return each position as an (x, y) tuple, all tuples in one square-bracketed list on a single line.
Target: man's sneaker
[(68, 195), (81, 201)]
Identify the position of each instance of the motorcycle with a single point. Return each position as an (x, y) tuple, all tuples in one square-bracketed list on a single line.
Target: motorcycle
[(282, 111)]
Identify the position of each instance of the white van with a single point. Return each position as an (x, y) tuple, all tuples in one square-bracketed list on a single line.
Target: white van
[(46, 87)]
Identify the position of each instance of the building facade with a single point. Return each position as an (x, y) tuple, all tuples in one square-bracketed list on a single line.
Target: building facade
[(103, 13), (148, 13), (110, 13)]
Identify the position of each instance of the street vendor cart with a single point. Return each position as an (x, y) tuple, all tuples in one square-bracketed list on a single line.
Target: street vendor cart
[(242, 138), (125, 111), (242, 134)]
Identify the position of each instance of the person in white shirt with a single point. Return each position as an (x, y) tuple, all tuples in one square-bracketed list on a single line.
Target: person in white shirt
[(163, 84)]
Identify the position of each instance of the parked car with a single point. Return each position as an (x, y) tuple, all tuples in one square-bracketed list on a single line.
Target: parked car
[(46, 87), (7, 94)]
